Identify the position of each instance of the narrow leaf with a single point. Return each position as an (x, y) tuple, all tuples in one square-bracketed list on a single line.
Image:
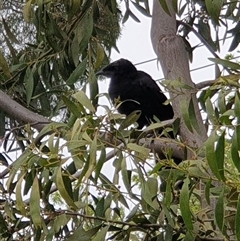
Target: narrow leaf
[(84, 100), (192, 116), (93, 86), (164, 6), (220, 153), (71, 106), (4, 66), (130, 119), (77, 73), (34, 204), (185, 114), (184, 205), (29, 84), (19, 201), (226, 63), (211, 154), (27, 11), (210, 111), (62, 189), (133, 16), (214, 8), (236, 147), (237, 105), (141, 9), (207, 191), (101, 235), (9, 33), (140, 149), (219, 211)]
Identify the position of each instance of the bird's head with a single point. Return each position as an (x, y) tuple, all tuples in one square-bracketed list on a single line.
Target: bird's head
[(119, 67)]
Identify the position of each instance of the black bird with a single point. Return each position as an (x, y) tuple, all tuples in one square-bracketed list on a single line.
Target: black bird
[(137, 91)]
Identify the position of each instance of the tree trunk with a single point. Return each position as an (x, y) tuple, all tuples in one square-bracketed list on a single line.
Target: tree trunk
[(173, 58)]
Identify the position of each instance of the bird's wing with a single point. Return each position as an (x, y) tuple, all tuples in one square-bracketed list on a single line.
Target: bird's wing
[(152, 98)]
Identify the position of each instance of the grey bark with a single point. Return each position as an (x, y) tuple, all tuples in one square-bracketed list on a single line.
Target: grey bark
[(173, 58), (20, 113)]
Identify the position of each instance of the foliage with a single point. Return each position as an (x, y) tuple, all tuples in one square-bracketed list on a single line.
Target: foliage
[(85, 175)]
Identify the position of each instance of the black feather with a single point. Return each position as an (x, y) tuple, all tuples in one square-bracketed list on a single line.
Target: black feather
[(137, 91)]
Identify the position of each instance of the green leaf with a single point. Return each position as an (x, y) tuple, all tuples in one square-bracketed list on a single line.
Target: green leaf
[(220, 154), (21, 160), (237, 105), (207, 191), (184, 205), (34, 204), (4, 66), (99, 211), (143, 151), (101, 235), (221, 102), (126, 16), (9, 33), (100, 55), (62, 189), (19, 201), (133, 16), (175, 5), (100, 162), (93, 86), (71, 106), (168, 192), (92, 156), (154, 126), (210, 111), (236, 147), (133, 212), (77, 73), (237, 220), (84, 30), (185, 113), (29, 84), (192, 116), (219, 211), (211, 154), (164, 6), (225, 63), (214, 8), (205, 31), (141, 9), (82, 98), (27, 11), (85, 235), (126, 177), (130, 119), (149, 192), (168, 214), (60, 221)]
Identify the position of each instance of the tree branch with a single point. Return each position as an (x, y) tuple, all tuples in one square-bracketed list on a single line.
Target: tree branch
[(160, 146), (20, 113)]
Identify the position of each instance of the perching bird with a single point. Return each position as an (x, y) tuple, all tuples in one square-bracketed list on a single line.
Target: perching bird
[(137, 91)]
